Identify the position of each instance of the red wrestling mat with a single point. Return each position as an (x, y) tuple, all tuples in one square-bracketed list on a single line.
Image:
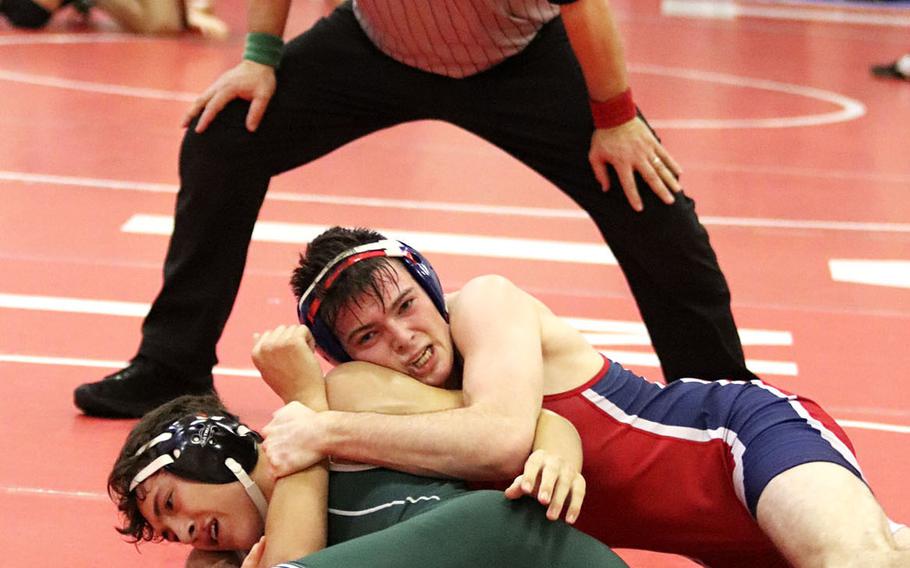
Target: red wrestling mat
[(794, 157)]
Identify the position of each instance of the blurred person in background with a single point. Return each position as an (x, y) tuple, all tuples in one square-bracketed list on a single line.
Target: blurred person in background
[(137, 16), (899, 69)]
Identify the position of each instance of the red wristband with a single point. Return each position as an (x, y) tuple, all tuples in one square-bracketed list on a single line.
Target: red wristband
[(614, 111)]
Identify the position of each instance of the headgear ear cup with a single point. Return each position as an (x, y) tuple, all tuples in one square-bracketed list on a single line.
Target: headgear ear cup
[(417, 266), (214, 449), (422, 271)]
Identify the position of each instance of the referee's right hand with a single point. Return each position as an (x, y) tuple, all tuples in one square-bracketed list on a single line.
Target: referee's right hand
[(249, 80)]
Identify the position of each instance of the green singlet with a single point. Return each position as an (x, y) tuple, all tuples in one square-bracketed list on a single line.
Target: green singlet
[(380, 518)]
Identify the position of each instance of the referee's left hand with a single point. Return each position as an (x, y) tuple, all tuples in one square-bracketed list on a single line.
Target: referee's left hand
[(630, 148)]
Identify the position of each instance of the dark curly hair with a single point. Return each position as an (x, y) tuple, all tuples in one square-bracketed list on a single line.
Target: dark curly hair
[(135, 526), (368, 276)]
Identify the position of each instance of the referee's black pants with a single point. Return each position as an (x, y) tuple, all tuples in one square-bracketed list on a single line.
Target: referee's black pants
[(334, 86)]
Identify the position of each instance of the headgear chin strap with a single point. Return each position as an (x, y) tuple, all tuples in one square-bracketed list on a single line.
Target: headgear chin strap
[(210, 449), (308, 305)]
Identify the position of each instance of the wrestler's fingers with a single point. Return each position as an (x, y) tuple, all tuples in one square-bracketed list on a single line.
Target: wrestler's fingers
[(310, 339), (531, 471), (560, 492), (254, 556), (549, 475), (273, 430), (577, 497), (275, 425), (300, 331), (277, 460), (514, 491)]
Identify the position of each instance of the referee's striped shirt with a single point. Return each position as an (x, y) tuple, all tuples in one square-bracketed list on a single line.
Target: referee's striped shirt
[(456, 38)]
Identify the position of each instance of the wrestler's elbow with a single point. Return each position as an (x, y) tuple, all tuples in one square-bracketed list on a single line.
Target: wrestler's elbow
[(509, 447)]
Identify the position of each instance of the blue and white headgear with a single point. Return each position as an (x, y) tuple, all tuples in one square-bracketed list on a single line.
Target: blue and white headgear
[(308, 305), (210, 449)]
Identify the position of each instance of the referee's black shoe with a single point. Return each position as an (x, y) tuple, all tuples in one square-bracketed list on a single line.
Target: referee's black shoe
[(136, 389)]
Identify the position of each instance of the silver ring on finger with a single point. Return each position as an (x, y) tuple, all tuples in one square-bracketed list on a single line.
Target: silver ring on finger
[(656, 161)]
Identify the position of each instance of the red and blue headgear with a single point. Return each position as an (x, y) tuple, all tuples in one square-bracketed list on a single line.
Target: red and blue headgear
[(308, 305)]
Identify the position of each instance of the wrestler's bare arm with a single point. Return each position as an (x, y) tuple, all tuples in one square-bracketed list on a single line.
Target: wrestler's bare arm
[(285, 359), (212, 559), (364, 387), (552, 473)]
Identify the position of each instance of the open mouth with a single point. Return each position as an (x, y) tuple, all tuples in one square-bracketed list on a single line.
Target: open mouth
[(422, 359)]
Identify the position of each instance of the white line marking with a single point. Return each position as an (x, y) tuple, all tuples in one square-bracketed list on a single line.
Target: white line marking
[(70, 39), (467, 208), (728, 10), (807, 224), (94, 183), (622, 357), (606, 328), (850, 108), (86, 86), (41, 492), (604, 332), (865, 425), (427, 242), (73, 305), (94, 87), (603, 329), (102, 364), (717, 9), (758, 366), (791, 171), (895, 273)]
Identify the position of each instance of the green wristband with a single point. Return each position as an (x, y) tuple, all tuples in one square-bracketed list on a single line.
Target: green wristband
[(263, 48)]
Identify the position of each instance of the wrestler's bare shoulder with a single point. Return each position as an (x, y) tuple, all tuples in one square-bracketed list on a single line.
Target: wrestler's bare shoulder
[(569, 360)]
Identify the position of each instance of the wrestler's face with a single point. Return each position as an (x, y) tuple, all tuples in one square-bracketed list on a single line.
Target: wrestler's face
[(402, 331), (207, 516)]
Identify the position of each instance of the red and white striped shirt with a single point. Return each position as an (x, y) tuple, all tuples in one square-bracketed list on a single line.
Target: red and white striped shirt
[(456, 38)]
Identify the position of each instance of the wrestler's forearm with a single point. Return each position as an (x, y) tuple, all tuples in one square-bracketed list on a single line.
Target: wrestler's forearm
[(268, 16), (558, 436), (296, 523), (595, 39), (212, 559), (364, 387), (474, 443)]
